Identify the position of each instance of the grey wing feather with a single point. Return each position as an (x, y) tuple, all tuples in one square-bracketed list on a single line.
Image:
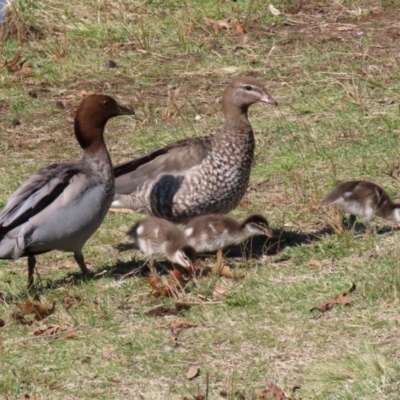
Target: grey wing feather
[(173, 160), (35, 194)]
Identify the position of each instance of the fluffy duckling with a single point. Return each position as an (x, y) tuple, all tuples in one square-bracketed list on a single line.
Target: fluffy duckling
[(196, 176), (62, 205), (214, 232), (363, 199), (159, 238)]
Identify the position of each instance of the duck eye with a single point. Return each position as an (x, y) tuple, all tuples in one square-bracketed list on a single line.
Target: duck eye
[(248, 87), (106, 103)]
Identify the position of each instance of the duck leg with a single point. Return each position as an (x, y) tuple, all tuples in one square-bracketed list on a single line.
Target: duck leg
[(81, 262), (31, 269), (352, 222), (219, 265)]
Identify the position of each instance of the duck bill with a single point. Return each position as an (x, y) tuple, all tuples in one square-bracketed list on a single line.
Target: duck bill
[(125, 110), (270, 234), (266, 98)]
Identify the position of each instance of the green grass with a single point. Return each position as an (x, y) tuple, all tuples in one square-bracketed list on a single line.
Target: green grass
[(335, 72)]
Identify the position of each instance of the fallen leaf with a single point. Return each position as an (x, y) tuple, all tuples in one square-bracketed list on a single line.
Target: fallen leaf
[(176, 274), (343, 299), (178, 326), (219, 290), (161, 311), (239, 29), (69, 335), (218, 25), (69, 301), (154, 281), (69, 264), (165, 287), (85, 93), (54, 330), (2, 323), (272, 392), (24, 70), (185, 323), (245, 203), (36, 307), (27, 396), (315, 263), (223, 24), (273, 10), (193, 371)]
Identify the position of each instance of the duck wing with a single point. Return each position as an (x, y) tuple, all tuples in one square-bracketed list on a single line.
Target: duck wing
[(173, 159), (38, 192)]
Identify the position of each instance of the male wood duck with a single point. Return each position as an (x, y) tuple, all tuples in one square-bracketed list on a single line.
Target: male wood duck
[(196, 176), (62, 205)]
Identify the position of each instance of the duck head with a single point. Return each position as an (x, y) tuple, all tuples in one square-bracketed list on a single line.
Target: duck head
[(92, 116), (242, 92), (185, 256), (257, 225)]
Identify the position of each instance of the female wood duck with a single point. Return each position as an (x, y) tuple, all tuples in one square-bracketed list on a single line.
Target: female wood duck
[(363, 199), (196, 176), (214, 232), (159, 238)]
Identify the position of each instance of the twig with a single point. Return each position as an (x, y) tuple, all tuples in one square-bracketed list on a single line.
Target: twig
[(42, 337)]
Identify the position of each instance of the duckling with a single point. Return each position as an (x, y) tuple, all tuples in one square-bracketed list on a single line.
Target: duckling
[(159, 238), (196, 176), (62, 205), (363, 199), (214, 232)]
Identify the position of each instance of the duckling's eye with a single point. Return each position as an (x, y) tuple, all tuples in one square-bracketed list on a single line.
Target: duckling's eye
[(106, 103), (248, 87)]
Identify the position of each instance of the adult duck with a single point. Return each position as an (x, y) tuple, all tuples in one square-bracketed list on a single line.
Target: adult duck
[(196, 176), (62, 205)]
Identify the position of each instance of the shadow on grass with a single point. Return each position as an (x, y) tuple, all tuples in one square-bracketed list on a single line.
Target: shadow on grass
[(258, 246), (255, 248)]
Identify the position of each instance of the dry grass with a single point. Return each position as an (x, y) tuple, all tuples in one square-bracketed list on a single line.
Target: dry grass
[(334, 68)]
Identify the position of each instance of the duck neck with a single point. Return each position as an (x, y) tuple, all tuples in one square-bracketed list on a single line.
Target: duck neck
[(95, 154), (235, 113), (245, 232), (90, 137)]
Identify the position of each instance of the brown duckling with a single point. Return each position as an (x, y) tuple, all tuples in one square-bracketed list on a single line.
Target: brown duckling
[(363, 199), (214, 232), (159, 238)]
